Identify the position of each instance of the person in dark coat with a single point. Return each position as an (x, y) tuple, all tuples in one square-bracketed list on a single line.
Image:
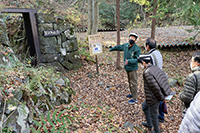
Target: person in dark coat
[(156, 87), (150, 47), (131, 53), (192, 83)]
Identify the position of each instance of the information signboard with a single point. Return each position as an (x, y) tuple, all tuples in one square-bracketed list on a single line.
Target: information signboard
[(95, 44)]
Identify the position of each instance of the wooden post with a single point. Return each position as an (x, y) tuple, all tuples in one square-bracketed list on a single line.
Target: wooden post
[(97, 67)]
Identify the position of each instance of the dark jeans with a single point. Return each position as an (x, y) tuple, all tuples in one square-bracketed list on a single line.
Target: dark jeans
[(151, 114), (161, 113)]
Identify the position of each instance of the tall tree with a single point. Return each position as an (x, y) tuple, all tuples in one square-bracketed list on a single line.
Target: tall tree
[(153, 25), (93, 17), (118, 34)]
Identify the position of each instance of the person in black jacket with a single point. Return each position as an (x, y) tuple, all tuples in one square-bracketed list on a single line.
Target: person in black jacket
[(156, 87), (157, 60), (192, 83)]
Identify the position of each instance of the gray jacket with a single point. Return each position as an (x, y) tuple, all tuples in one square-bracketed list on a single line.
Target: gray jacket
[(156, 86), (191, 121), (190, 89), (156, 57)]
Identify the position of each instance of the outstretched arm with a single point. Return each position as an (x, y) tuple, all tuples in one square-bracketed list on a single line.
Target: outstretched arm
[(117, 48)]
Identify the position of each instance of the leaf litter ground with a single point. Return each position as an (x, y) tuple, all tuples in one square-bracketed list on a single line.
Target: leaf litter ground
[(101, 98)]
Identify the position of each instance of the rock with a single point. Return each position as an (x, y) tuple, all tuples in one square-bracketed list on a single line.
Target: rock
[(67, 65), (18, 94), (11, 122), (172, 82), (128, 124), (70, 45), (47, 58), (55, 49), (108, 87), (62, 48), (7, 111), (101, 83), (60, 82), (41, 90), (22, 118), (172, 118), (62, 26), (4, 117), (65, 98), (45, 18)]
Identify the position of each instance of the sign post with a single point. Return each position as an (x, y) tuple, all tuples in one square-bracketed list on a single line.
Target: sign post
[(95, 47)]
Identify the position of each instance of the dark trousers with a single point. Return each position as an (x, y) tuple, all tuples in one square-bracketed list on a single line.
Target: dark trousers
[(161, 113), (151, 115), (132, 80)]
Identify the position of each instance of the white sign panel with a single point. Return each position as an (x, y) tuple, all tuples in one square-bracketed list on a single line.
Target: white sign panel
[(95, 44)]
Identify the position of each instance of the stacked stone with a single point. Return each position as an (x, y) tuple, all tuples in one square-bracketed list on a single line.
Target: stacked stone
[(59, 51)]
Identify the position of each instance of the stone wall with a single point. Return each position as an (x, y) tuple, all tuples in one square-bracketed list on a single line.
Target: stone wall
[(19, 116), (59, 51)]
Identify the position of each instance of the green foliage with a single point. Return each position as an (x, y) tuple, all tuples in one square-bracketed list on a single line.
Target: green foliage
[(107, 14), (58, 122), (17, 35), (141, 2), (56, 8), (84, 50), (30, 81), (7, 130)]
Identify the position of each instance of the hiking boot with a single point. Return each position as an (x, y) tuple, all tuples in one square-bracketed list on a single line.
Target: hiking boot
[(145, 124), (129, 96), (132, 101)]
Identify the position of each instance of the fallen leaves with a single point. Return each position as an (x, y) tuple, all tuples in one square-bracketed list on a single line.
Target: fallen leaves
[(111, 107)]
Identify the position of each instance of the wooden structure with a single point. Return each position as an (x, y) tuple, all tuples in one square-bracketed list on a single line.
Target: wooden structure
[(30, 22)]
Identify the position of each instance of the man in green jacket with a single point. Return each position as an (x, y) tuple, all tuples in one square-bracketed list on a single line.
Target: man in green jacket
[(131, 53)]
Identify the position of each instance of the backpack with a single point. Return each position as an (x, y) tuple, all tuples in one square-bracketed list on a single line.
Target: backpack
[(164, 107)]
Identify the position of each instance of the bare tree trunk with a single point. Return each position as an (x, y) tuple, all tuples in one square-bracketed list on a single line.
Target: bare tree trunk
[(89, 17), (118, 34), (95, 17), (153, 26)]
